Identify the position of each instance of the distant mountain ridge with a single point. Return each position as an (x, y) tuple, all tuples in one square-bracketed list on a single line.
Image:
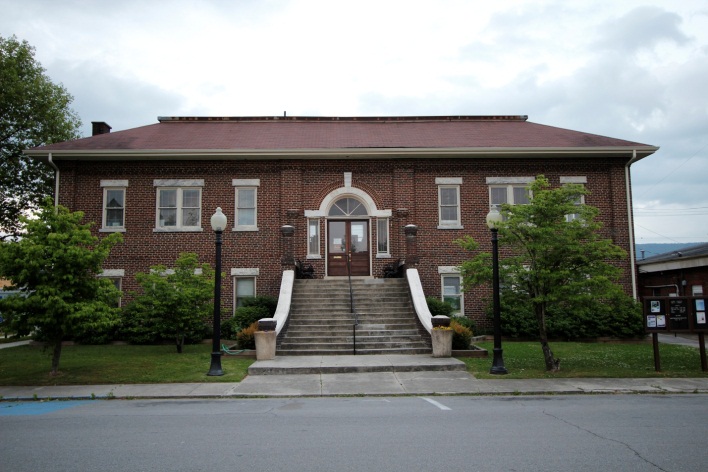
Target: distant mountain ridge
[(653, 249)]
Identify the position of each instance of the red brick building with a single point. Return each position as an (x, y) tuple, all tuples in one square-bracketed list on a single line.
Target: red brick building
[(346, 186), (682, 273)]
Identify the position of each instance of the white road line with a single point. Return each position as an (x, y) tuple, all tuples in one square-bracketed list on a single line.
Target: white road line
[(438, 404)]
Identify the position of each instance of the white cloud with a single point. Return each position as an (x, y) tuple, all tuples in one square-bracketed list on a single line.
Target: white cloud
[(633, 69)]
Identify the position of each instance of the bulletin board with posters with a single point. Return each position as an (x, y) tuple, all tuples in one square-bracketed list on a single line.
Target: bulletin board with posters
[(676, 315)]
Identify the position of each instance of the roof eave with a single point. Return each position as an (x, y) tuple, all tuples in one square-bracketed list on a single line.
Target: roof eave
[(674, 264), (319, 153)]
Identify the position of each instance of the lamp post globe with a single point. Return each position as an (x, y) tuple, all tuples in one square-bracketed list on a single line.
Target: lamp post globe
[(218, 224), (493, 219)]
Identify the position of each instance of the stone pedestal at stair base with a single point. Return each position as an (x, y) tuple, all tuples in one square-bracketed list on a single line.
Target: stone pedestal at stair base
[(265, 345), (442, 342)]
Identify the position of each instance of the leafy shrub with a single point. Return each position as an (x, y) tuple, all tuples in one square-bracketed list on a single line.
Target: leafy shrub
[(246, 338), (618, 316), (172, 305), (461, 335), (247, 315), (438, 307), (264, 301), (88, 335), (229, 328), (467, 323)]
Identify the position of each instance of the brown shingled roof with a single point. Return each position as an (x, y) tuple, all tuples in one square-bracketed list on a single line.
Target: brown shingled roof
[(338, 133)]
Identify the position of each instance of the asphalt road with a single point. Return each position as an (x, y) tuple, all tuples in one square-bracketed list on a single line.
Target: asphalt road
[(517, 433)]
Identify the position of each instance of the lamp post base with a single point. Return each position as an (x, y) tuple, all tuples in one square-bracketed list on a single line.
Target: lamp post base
[(498, 363), (215, 367)]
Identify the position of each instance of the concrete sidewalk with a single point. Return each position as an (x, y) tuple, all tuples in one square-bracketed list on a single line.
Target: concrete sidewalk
[(321, 376)]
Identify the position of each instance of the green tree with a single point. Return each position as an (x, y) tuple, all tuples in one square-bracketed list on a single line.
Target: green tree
[(548, 262), (55, 266), (173, 303), (33, 112)]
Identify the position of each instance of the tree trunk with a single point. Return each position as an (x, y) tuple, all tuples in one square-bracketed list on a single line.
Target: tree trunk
[(179, 341), (56, 354), (552, 365)]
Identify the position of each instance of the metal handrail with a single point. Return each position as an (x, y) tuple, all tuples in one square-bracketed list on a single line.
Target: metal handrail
[(352, 310)]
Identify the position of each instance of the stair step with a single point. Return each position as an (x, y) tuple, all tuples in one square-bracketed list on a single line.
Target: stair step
[(321, 322)]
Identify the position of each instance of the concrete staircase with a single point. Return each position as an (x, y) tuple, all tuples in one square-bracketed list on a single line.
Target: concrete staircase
[(320, 322)]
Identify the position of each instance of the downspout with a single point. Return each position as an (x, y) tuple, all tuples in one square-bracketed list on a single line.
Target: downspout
[(56, 179), (630, 218)]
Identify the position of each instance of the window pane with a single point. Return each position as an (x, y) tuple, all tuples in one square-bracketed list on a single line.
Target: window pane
[(313, 237), (448, 196), (521, 196), (246, 217), (246, 198), (448, 213), (451, 292), (190, 198), (498, 195), (451, 285), (168, 217), (168, 198), (114, 198), (245, 287), (190, 217), (382, 236), (114, 217), (454, 302)]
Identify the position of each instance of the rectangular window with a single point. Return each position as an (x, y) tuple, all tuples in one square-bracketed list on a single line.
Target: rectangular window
[(382, 236), (118, 283), (179, 208), (116, 277), (244, 287), (451, 292), (114, 208), (113, 205), (313, 237), (574, 216), (449, 202), (696, 290), (246, 217), (580, 180), (511, 194), (179, 204)]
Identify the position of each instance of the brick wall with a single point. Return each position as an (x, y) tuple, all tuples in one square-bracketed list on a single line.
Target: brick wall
[(287, 188)]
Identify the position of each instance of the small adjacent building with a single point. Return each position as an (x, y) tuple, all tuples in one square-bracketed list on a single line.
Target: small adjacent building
[(325, 191), (682, 273)]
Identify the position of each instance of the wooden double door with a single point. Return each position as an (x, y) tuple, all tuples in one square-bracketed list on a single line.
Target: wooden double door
[(348, 243)]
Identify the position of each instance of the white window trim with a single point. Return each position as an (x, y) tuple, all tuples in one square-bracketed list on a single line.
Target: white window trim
[(445, 183), (115, 274), (113, 185), (508, 183), (387, 254), (179, 185), (245, 273), (581, 180), (245, 184), (313, 255), (447, 271)]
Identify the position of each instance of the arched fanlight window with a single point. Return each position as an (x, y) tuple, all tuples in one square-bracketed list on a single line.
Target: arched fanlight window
[(348, 207)]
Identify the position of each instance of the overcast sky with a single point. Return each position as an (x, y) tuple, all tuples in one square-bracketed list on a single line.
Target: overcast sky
[(636, 70)]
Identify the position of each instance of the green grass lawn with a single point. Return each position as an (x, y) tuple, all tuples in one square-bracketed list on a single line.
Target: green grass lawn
[(524, 360), (92, 365)]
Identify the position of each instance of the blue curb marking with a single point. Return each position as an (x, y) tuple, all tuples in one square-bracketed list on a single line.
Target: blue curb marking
[(36, 407)]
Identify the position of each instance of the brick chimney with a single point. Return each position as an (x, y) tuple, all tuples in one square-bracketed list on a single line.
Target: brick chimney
[(100, 127)]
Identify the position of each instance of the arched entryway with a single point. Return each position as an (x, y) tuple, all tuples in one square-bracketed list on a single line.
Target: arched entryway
[(348, 238)]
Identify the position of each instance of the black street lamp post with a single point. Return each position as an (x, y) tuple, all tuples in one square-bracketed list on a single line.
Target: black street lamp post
[(218, 223), (493, 218)]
